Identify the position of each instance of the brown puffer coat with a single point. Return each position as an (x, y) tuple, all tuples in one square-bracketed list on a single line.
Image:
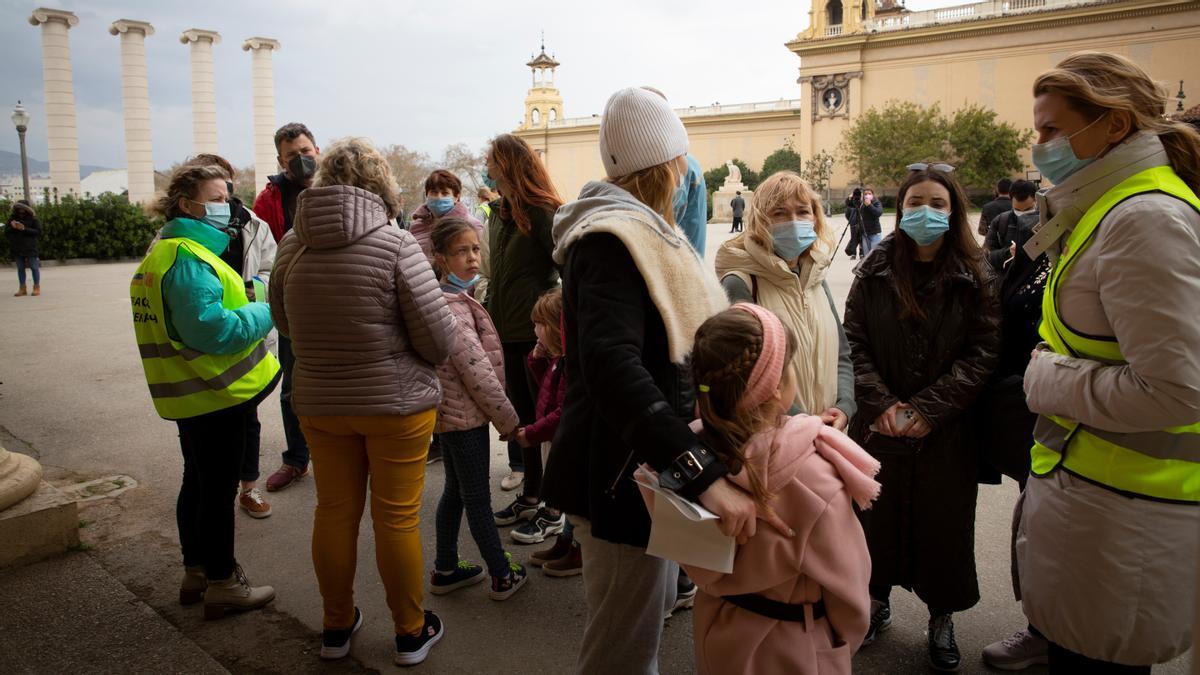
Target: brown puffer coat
[(364, 311), (473, 378)]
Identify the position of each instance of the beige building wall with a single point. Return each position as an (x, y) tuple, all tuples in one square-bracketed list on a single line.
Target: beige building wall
[(572, 153), (993, 62), (135, 94), (61, 134)]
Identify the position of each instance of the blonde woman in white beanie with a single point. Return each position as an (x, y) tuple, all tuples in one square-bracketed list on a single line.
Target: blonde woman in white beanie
[(634, 294)]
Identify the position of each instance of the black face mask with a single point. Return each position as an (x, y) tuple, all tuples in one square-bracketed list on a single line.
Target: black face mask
[(302, 168)]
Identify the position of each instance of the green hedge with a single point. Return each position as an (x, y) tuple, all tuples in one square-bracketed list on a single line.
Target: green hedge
[(105, 227)]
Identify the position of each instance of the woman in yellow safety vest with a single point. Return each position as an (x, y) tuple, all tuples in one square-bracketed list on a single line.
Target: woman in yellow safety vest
[(1110, 521), (201, 342)]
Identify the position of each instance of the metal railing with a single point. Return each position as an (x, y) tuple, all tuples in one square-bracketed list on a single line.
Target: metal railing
[(968, 12)]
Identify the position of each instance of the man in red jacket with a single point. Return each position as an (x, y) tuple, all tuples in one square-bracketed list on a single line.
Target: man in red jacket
[(297, 154)]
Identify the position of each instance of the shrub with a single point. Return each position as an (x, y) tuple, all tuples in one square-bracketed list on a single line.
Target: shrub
[(107, 227)]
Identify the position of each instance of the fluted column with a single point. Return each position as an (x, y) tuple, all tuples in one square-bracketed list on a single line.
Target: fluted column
[(61, 133), (262, 83), (204, 93), (135, 93)]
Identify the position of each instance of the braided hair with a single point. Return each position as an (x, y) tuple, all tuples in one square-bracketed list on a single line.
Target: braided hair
[(727, 347)]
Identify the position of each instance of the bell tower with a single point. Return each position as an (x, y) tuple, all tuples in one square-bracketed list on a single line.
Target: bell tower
[(543, 103), (831, 18)]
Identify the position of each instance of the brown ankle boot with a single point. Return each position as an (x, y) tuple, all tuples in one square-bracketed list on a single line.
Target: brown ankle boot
[(20, 292), (37, 289)]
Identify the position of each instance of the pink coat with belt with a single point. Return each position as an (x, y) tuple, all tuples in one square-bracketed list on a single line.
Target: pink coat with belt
[(816, 475), (423, 220), (473, 378)]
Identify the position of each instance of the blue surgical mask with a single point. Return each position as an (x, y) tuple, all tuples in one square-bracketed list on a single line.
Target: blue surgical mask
[(1056, 158), (679, 203), (793, 238), (216, 214), (460, 283), (440, 205), (925, 224), (488, 180)]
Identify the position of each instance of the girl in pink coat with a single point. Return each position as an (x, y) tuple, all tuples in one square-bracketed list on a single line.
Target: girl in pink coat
[(472, 396), (792, 604)]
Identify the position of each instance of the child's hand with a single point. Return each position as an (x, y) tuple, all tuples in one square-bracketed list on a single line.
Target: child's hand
[(520, 437), (539, 352), (835, 418)]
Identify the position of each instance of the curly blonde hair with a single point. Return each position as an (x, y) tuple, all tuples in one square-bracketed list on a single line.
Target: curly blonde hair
[(778, 190), (185, 184), (354, 161)]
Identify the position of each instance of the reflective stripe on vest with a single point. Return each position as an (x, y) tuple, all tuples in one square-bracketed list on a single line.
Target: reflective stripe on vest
[(185, 382), (1163, 465)]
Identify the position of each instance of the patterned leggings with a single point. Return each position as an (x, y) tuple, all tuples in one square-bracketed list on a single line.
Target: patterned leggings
[(465, 456)]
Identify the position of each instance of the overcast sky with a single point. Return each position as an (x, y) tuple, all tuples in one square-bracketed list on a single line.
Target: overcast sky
[(421, 74)]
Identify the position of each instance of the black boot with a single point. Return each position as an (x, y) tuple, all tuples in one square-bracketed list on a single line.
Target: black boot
[(943, 650)]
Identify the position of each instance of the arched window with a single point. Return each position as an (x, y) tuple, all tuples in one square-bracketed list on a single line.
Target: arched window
[(834, 10), (864, 9), (536, 117), (553, 114)]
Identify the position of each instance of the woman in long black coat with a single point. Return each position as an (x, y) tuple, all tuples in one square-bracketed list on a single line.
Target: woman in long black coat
[(922, 320)]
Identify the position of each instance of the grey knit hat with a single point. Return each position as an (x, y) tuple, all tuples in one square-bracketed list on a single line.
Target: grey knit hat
[(639, 130)]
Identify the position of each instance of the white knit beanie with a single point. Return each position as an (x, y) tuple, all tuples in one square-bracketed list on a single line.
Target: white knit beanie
[(639, 130)]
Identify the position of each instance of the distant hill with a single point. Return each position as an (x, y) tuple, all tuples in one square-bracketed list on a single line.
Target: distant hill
[(10, 165)]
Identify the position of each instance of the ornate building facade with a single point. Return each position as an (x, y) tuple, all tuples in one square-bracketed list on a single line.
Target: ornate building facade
[(858, 54)]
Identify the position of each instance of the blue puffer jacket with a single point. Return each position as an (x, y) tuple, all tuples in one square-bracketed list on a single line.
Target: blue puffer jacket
[(192, 296)]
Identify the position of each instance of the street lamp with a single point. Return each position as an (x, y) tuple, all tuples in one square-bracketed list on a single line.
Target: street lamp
[(20, 119), (1181, 96)]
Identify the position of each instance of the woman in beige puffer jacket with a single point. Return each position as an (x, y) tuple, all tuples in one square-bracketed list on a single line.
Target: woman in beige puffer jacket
[(368, 325)]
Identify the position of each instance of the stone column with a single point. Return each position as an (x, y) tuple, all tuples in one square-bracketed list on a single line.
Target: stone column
[(62, 138), (204, 95), (135, 92), (262, 82)]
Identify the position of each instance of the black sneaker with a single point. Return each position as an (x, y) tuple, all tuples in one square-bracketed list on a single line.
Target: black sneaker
[(685, 597), (465, 574), (543, 525), (943, 650), (504, 587), (881, 620), (336, 643), (412, 649), (517, 510)]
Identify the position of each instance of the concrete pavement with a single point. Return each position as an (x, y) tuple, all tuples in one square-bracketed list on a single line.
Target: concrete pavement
[(72, 394)]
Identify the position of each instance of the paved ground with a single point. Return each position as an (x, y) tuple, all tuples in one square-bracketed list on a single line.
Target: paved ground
[(72, 394)]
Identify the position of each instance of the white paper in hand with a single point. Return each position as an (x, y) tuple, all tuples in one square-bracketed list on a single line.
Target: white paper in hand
[(685, 531)]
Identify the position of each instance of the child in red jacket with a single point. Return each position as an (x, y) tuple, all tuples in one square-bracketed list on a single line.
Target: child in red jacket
[(548, 368)]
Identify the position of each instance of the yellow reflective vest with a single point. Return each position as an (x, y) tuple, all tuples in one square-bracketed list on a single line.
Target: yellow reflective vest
[(1162, 465), (183, 381)]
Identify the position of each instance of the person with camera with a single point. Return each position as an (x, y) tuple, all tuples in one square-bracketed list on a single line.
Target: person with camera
[(922, 320)]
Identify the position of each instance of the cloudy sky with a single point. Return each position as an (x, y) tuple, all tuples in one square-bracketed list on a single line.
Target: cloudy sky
[(422, 74)]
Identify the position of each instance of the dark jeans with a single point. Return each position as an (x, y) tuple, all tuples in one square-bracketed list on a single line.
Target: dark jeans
[(250, 451), (854, 246), (35, 266), (466, 457), (213, 447), (296, 453), (1063, 660), (520, 390)]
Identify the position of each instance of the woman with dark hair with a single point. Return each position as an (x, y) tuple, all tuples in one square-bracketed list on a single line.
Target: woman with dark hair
[(22, 232), (520, 247), (923, 324)]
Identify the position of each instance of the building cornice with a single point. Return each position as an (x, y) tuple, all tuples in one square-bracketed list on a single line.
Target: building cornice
[(1049, 19)]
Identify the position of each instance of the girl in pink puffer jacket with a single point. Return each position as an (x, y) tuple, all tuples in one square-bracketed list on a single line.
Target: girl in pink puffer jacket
[(472, 396)]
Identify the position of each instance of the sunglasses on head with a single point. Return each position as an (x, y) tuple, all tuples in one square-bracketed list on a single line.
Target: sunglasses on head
[(922, 166)]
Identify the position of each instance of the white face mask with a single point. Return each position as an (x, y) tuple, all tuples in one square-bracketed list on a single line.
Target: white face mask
[(1025, 212)]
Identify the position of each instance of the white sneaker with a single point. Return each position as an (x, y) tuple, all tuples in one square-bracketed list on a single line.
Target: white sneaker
[(512, 481), (1018, 651)]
